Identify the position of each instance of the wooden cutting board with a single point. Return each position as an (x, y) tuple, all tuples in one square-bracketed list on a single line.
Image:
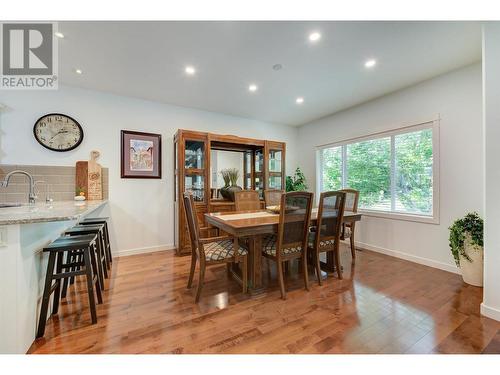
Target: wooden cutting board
[(89, 177)]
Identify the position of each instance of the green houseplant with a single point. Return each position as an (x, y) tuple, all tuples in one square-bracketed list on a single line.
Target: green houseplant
[(297, 182), (466, 244)]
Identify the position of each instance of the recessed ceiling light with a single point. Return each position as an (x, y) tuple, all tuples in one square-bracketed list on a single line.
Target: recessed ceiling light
[(190, 70), (299, 100), (78, 71), (59, 35), (252, 88), (314, 37), (370, 63)]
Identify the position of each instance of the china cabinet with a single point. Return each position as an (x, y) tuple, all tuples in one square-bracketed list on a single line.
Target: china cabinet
[(263, 168)]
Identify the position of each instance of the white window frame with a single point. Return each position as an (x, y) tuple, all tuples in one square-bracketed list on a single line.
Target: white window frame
[(432, 124)]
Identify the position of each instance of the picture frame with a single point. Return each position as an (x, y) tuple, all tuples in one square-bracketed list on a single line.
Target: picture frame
[(140, 154)]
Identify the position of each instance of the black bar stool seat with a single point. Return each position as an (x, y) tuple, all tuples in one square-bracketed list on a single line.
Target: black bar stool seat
[(58, 269), (68, 243), (100, 220)]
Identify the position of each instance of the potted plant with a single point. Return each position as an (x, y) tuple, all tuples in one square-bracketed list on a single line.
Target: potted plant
[(230, 176), (297, 182), (466, 243), (80, 194)]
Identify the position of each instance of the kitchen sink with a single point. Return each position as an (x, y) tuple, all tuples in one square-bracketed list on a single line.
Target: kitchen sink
[(7, 205)]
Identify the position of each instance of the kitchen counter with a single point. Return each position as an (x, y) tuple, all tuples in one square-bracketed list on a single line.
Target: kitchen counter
[(48, 212), (24, 232)]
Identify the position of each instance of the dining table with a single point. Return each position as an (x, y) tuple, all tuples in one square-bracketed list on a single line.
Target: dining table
[(252, 226)]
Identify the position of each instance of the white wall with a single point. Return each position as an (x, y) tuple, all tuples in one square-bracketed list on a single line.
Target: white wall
[(141, 210), (456, 98), (491, 100)]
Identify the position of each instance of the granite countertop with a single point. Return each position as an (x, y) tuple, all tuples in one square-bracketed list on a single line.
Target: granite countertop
[(45, 212)]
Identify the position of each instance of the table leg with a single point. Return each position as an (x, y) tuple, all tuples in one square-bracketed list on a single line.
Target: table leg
[(255, 265)]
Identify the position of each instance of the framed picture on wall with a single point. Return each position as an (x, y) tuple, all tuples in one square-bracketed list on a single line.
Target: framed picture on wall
[(140, 155)]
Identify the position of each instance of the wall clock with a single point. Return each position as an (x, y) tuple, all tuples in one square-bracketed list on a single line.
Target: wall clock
[(58, 132)]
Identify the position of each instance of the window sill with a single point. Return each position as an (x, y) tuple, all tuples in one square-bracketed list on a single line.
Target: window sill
[(401, 216)]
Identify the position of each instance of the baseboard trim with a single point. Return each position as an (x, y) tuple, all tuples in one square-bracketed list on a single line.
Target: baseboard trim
[(142, 250), (409, 257), (490, 312)]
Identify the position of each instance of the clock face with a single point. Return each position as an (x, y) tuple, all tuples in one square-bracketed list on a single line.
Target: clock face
[(58, 132)]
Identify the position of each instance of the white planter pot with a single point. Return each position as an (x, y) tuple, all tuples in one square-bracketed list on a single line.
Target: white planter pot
[(472, 271)]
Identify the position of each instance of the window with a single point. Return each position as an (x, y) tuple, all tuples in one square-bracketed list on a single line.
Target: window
[(395, 172)]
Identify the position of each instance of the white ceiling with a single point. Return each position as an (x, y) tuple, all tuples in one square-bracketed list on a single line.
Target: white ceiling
[(147, 60)]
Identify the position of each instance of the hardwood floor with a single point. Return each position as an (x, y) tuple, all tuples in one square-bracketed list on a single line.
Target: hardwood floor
[(383, 305)]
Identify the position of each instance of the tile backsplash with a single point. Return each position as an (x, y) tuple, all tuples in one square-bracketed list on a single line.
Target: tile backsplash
[(58, 183)]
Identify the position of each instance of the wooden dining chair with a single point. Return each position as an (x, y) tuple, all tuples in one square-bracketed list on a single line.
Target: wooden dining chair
[(273, 197), (291, 240), (328, 229), (209, 251), (246, 200), (351, 204)]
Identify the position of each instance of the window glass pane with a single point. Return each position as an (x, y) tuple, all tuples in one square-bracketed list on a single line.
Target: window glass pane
[(332, 169), (369, 171), (367, 168), (414, 172)]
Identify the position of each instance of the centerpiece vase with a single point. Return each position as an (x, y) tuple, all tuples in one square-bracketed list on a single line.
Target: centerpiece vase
[(227, 192)]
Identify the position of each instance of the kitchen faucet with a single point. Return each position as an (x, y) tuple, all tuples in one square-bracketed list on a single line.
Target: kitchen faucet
[(31, 195)]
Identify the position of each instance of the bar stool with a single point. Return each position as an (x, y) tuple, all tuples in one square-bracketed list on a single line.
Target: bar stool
[(98, 230), (57, 270), (107, 244)]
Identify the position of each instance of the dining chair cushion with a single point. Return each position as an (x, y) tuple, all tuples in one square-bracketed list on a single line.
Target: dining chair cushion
[(220, 250), (269, 246), (322, 243)]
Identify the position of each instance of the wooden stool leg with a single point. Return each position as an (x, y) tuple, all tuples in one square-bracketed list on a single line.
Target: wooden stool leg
[(69, 259), (108, 244), (57, 291), (96, 256), (102, 255), (95, 270), (78, 258), (90, 281), (106, 267), (46, 295)]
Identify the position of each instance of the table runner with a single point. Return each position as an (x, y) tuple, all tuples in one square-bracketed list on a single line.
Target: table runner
[(247, 215), (250, 215)]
